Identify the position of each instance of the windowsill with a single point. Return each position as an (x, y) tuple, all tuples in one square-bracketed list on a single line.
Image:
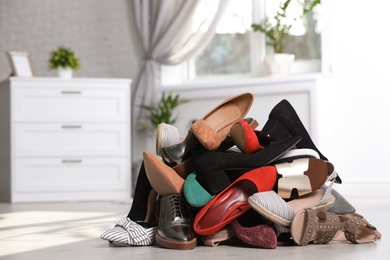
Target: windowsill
[(243, 81)]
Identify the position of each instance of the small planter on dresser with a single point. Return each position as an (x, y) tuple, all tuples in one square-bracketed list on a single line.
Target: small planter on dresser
[(64, 139)]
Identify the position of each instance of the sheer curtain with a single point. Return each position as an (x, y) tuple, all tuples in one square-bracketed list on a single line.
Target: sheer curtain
[(171, 31)]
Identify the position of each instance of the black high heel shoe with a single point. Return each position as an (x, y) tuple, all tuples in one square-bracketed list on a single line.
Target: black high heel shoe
[(206, 162), (178, 153), (284, 121)]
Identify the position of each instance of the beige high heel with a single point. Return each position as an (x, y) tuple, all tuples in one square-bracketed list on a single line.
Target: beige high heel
[(215, 126), (163, 179)]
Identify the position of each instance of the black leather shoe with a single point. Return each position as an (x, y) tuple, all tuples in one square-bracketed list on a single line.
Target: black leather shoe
[(174, 223), (178, 153)]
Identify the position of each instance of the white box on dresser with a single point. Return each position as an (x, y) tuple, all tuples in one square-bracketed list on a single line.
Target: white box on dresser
[(65, 139)]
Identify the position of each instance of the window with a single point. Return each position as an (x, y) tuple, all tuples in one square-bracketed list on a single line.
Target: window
[(228, 53), (237, 51)]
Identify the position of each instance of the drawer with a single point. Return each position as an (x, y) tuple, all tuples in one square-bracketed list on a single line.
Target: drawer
[(71, 174), (70, 139), (70, 104)]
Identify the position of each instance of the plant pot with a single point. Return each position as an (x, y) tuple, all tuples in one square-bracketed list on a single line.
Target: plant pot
[(278, 63), (65, 73)]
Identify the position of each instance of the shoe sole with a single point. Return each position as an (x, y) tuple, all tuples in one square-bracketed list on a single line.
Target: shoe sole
[(159, 140), (175, 244), (163, 179), (301, 177)]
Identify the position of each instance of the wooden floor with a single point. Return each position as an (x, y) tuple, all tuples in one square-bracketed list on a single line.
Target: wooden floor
[(71, 231)]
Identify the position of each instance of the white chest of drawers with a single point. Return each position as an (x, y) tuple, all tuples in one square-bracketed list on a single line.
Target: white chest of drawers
[(64, 140)]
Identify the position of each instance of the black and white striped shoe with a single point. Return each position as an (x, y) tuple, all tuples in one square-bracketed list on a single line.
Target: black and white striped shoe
[(127, 232)]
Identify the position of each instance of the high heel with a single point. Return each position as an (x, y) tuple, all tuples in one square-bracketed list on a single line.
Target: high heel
[(283, 115), (245, 137), (215, 126), (163, 179), (232, 202), (229, 142), (284, 121), (212, 161), (178, 153)]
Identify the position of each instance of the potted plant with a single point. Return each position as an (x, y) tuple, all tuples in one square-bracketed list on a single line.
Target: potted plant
[(65, 61), (162, 112), (276, 31)]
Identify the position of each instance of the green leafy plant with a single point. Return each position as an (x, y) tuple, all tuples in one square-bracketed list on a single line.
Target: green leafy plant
[(162, 112), (64, 57), (277, 28)]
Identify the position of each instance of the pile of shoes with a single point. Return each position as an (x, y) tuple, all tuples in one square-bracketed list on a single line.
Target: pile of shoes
[(227, 180)]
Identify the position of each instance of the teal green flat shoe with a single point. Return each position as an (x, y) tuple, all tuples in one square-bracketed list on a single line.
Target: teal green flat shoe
[(194, 193)]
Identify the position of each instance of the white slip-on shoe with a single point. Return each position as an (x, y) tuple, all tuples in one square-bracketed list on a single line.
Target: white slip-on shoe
[(127, 232)]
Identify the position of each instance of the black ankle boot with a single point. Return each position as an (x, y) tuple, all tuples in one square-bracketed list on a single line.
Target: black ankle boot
[(212, 161), (283, 120)]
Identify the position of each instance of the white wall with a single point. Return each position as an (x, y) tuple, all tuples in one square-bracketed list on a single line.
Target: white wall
[(353, 104), (103, 33)]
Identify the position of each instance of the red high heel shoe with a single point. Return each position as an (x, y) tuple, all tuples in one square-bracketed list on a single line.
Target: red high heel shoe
[(232, 202), (245, 137)]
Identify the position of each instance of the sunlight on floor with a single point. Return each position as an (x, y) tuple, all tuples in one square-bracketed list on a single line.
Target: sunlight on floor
[(43, 229)]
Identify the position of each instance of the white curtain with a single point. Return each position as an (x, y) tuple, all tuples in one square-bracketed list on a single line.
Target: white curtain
[(171, 31)]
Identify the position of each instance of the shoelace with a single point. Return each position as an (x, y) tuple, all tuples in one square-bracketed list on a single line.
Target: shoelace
[(178, 208)]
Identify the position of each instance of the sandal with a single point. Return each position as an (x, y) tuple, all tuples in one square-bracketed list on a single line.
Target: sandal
[(357, 229), (302, 176), (272, 207), (320, 227)]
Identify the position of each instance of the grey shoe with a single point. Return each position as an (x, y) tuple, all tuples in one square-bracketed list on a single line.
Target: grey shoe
[(166, 135), (341, 206), (174, 223)]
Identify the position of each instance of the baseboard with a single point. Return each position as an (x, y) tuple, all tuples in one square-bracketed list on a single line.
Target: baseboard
[(363, 189)]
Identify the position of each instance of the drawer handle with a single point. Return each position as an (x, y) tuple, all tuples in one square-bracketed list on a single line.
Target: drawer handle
[(71, 126), (71, 92), (72, 161)]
